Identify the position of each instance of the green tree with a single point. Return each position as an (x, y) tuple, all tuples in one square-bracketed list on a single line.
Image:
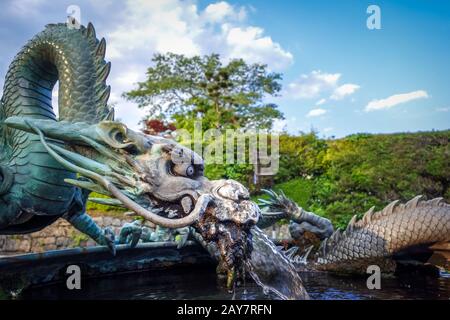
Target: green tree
[(222, 96)]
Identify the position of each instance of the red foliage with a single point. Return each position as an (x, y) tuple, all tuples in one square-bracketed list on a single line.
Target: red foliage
[(155, 126)]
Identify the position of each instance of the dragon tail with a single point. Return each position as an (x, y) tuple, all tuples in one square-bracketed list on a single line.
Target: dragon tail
[(380, 236)]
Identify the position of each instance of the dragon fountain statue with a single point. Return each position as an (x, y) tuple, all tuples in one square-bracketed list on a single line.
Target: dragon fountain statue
[(48, 166), (380, 238)]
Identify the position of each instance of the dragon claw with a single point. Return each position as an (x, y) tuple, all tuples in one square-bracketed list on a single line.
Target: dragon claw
[(109, 239), (135, 239), (182, 238), (131, 233)]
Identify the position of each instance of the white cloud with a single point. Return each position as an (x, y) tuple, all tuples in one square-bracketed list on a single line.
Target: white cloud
[(55, 96), (321, 102), (394, 100), (181, 27), (160, 26), (148, 27), (443, 109), (250, 44), (345, 90), (129, 77), (312, 85), (279, 125), (316, 112), (328, 129), (25, 7), (317, 84), (124, 76), (218, 12)]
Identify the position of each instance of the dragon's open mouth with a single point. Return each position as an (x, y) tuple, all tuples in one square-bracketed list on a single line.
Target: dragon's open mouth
[(224, 220), (227, 223), (172, 209), (221, 223), (157, 179), (232, 240)]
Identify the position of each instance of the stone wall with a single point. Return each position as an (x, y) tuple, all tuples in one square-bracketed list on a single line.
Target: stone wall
[(278, 232), (61, 235)]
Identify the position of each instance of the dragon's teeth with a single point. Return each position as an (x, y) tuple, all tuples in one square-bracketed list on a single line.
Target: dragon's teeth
[(172, 214)]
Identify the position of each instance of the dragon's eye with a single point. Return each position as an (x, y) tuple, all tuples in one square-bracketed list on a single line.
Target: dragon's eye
[(190, 171), (184, 169)]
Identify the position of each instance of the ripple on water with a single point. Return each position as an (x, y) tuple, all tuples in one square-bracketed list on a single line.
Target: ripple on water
[(201, 283)]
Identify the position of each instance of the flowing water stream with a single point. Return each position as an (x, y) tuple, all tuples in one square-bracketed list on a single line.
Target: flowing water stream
[(274, 278), (272, 270)]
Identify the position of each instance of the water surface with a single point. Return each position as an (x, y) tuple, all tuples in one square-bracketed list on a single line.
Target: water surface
[(201, 283)]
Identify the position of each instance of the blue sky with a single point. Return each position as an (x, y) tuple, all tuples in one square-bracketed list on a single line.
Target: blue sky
[(339, 76)]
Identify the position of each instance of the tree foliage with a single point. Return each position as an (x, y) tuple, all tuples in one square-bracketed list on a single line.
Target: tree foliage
[(352, 174), (202, 87), (334, 178)]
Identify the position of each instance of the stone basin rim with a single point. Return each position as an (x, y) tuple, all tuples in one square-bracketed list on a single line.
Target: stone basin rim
[(71, 252)]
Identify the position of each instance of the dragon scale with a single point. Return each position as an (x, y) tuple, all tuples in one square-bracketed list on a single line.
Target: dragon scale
[(384, 234), (378, 238), (49, 166), (75, 58)]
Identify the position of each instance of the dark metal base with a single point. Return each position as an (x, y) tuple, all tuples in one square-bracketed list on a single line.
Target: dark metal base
[(20, 271)]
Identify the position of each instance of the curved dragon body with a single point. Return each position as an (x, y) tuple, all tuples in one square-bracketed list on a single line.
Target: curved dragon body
[(379, 238), (38, 194), (49, 167)]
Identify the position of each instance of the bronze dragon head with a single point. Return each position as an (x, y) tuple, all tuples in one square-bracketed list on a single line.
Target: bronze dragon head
[(156, 178)]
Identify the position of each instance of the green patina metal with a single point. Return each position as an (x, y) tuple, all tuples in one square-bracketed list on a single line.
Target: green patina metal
[(379, 238), (32, 189), (48, 166)]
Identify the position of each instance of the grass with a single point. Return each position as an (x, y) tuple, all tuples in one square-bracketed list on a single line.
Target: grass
[(101, 209), (299, 190)]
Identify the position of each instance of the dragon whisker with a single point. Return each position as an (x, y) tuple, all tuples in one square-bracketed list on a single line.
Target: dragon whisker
[(200, 207), (102, 149), (123, 179), (82, 161), (88, 186)]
